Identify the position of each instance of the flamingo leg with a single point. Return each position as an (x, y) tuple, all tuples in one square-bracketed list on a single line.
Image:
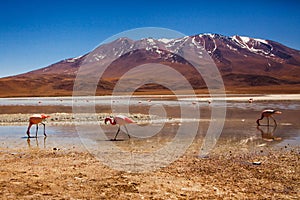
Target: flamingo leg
[(268, 121), (127, 131), (37, 128), (274, 120), (28, 130), (44, 130), (117, 133)]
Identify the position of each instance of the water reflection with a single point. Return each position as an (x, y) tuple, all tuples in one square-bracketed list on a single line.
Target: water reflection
[(35, 142), (240, 127), (267, 133)]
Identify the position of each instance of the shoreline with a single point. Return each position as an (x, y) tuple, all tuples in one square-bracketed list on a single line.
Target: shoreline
[(158, 95), (266, 89), (107, 103)]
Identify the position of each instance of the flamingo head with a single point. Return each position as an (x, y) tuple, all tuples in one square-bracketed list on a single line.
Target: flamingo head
[(45, 116), (106, 120), (277, 112), (111, 120)]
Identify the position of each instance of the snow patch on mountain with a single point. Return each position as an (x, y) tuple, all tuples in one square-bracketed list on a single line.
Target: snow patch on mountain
[(165, 40), (71, 60), (254, 45)]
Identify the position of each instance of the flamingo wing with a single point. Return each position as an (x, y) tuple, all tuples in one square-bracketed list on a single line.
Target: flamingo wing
[(35, 119), (122, 120), (36, 116), (268, 111), (129, 121)]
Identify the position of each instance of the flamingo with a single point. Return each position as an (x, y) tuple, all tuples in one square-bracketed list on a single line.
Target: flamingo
[(119, 120), (36, 119), (268, 113)]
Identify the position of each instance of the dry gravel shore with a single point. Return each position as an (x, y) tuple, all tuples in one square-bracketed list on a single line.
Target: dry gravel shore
[(57, 174)]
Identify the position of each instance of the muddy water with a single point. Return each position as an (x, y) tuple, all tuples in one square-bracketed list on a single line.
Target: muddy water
[(239, 130)]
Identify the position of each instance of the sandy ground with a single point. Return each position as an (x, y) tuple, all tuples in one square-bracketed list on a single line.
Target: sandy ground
[(35, 173)]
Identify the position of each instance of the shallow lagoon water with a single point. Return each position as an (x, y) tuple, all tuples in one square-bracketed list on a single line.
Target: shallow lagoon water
[(240, 128)]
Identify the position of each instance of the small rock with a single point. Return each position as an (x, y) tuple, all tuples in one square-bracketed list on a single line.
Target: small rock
[(256, 163), (203, 156)]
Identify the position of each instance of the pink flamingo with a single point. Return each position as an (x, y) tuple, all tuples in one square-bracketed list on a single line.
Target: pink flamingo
[(268, 113), (119, 120), (36, 119)]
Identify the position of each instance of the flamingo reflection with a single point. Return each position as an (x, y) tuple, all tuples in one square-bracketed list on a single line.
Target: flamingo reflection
[(267, 133), (36, 142)]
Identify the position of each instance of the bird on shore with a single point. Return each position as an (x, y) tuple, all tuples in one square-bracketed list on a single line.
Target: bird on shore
[(36, 119), (119, 120), (268, 113)]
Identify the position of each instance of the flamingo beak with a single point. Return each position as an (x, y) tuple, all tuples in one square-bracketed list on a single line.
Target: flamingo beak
[(278, 112)]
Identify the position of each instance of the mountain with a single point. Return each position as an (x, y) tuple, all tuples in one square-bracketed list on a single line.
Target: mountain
[(246, 64)]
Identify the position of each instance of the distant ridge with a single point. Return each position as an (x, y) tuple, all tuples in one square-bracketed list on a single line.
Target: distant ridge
[(246, 65)]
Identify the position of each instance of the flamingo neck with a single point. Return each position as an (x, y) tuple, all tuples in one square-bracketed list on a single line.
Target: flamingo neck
[(111, 121)]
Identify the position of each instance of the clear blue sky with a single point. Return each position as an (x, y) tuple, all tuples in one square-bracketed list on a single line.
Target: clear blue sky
[(34, 34)]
